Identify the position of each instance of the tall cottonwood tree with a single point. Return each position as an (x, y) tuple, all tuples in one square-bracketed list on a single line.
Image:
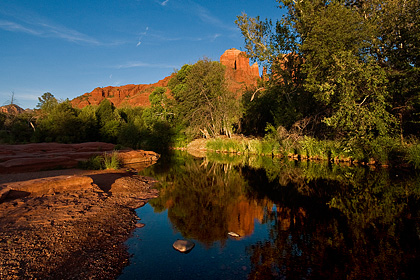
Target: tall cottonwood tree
[(202, 100)]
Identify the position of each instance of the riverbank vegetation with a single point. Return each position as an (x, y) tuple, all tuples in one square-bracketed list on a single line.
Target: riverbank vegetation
[(102, 162), (340, 84)]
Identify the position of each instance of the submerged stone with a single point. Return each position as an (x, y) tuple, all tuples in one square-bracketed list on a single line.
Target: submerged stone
[(183, 246), (233, 234)]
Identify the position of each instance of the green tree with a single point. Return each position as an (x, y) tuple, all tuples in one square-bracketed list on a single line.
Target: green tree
[(109, 121), (89, 130), (202, 101), (61, 124), (47, 102), (335, 42), (158, 110)]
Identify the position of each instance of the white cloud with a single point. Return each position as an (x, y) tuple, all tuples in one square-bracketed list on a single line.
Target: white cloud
[(141, 36), (12, 26), (42, 29), (207, 17), (164, 3), (134, 64), (36, 25), (214, 37)]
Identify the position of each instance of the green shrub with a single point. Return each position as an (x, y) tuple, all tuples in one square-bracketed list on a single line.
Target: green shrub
[(93, 163), (413, 155), (100, 162), (111, 161)]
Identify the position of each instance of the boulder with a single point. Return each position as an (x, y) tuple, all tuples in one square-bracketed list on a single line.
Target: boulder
[(47, 186), (139, 225), (131, 184), (45, 156), (183, 246), (233, 234), (136, 156)]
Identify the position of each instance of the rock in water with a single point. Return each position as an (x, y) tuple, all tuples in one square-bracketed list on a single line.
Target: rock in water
[(233, 234), (183, 246)]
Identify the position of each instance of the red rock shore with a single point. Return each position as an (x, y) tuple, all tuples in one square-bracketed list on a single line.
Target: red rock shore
[(69, 223)]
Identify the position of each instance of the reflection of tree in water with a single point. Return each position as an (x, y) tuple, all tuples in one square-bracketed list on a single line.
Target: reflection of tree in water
[(358, 226), (207, 200), (328, 221)]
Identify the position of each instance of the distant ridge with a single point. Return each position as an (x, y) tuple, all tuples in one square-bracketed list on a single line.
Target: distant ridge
[(11, 109), (239, 75)]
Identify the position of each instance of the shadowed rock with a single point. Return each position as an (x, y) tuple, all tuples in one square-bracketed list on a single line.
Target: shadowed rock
[(47, 156)]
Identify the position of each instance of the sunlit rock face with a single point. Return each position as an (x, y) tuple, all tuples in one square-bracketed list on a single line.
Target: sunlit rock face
[(239, 73), (12, 109), (131, 95)]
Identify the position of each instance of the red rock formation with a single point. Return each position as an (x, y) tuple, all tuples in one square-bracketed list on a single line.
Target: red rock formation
[(132, 95), (239, 74), (12, 109)]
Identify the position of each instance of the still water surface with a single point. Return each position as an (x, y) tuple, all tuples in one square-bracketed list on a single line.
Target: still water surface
[(296, 220)]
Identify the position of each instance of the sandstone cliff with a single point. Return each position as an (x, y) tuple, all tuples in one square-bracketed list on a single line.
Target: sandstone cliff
[(239, 74), (131, 95)]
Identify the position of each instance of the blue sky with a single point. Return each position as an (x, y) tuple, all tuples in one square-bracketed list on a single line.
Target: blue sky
[(71, 47)]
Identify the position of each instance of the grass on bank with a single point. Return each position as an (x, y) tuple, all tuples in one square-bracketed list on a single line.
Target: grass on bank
[(413, 155), (101, 162), (379, 151), (306, 148)]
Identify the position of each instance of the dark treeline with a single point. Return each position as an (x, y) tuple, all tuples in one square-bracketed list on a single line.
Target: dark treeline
[(339, 76), (58, 121)]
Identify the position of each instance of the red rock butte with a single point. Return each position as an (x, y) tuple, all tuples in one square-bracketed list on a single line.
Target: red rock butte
[(239, 75)]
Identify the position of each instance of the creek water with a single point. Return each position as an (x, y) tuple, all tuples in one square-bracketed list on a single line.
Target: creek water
[(295, 220)]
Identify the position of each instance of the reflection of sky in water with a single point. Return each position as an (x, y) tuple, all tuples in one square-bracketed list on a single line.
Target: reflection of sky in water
[(154, 258)]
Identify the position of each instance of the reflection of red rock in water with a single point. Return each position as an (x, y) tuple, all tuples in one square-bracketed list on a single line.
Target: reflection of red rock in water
[(286, 217), (242, 216)]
